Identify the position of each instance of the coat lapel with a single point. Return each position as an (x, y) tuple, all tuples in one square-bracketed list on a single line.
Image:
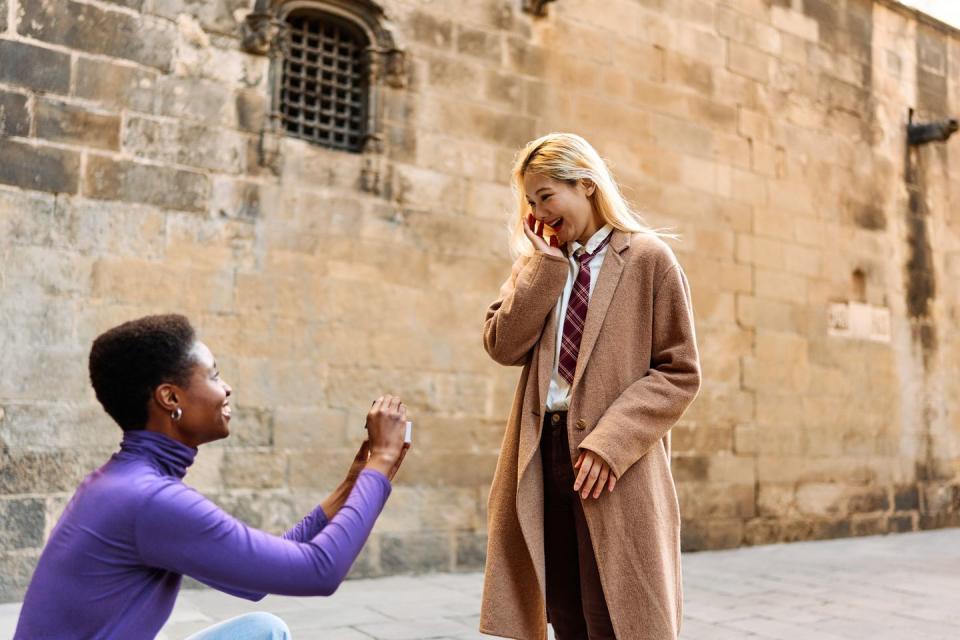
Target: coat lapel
[(600, 299)]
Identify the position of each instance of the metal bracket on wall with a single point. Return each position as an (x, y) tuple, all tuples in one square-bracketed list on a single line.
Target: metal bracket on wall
[(923, 132), (536, 7)]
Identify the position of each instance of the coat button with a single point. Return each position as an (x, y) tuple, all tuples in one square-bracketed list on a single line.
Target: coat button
[(555, 418), (581, 424)]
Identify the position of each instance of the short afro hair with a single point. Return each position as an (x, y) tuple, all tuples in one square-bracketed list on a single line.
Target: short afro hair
[(128, 362)]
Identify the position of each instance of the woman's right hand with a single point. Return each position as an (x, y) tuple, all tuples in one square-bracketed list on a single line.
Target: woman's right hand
[(386, 425), (534, 232)]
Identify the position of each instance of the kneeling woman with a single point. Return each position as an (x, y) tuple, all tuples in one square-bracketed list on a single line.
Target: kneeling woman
[(113, 564)]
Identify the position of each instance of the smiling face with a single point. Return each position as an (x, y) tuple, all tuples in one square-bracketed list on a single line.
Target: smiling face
[(205, 401), (565, 207)]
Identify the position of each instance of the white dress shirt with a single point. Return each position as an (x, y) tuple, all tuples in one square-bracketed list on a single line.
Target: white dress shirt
[(558, 396)]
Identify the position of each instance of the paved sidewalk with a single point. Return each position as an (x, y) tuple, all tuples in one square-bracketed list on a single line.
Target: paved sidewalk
[(905, 586)]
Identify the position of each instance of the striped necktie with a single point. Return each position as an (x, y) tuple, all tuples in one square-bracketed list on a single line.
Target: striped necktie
[(577, 313)]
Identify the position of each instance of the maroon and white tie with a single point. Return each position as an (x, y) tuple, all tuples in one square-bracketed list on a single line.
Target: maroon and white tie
[(577, 314)]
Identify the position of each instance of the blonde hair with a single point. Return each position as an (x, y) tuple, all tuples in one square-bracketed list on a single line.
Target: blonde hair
[(569, 158)]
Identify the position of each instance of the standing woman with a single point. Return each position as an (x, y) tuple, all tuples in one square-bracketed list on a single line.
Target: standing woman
[(584, 524)]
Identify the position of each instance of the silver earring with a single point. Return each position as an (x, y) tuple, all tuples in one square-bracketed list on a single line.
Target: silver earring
[(176, 414)]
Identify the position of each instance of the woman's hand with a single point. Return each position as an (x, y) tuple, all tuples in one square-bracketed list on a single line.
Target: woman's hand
[(386, 425), (595, 474), (534, 232)]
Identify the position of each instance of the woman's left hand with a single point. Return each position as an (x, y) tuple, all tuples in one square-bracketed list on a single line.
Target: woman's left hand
[(595, 474)]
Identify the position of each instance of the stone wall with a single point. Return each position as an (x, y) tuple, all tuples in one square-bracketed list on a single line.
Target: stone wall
[(135, 178)]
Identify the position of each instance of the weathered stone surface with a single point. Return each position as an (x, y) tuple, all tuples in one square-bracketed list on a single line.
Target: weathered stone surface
[(38, 167), (47, 471), (90, 28), (21, 523), (184, 144), (109, 179), (34, 67), (215, 15), (253, 469), (16, 568), (71, 124), (471, 551), (14, 117), (431, 30), (115, 85), (424, 551), (764, 134)]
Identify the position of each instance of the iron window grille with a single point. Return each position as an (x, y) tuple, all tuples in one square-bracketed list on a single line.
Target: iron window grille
[(325, 86)]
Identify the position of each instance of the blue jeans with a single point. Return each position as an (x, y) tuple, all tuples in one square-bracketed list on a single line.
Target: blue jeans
[(251, 626)]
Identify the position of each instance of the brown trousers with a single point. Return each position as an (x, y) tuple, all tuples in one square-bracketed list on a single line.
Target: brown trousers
[(576, 606)]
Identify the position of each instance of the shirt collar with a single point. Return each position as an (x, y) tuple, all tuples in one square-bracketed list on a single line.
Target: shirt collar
[(599, 236)]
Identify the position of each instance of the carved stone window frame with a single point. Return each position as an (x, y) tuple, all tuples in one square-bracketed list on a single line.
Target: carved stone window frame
[(266, 32)]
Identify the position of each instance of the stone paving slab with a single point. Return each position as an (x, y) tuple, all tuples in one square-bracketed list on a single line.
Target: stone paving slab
[(897, 587)]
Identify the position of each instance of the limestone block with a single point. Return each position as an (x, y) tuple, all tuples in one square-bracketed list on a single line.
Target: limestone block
[(32, 427), (749, 62), (301, 428), (421, 551), (688, 72), (868, 525), (63, 122), (773, 222), (206, 473), (101, 31), (477, 43), (707, 500), (114, 85), (16, 569), (736, 25), (47, 471), (253, 469), (779, 285), (21, 522), (820, 499), (453, 469), (717, 533), (471, 551), (14, 116), (64, 274), (795, 23), (714, 306), (38, 167), (218, 16), (34, 67), (776, 500), (524, 57), (763, 252), (3, 15), (428, 29), (109, 179), (193, 145)]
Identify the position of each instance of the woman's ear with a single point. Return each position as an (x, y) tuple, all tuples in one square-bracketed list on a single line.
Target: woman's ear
[(589, 186), (166, 396)]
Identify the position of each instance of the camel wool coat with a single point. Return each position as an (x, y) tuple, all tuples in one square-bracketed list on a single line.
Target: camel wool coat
[(637, 371)]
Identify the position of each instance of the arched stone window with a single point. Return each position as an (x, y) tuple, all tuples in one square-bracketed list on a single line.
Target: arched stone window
[(329, 59), (324, 89)]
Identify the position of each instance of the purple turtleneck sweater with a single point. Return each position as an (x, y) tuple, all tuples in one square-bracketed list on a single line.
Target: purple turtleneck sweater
[(113, 564)]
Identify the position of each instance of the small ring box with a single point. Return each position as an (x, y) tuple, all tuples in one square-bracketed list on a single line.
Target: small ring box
[(408, 436)]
